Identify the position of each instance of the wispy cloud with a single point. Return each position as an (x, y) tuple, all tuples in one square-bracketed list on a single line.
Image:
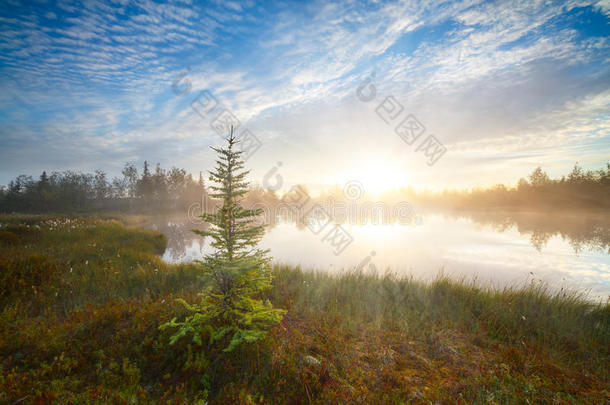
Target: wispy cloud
[(89, 83)]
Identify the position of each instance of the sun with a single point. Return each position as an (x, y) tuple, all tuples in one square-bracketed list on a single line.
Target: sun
[(375, 177)]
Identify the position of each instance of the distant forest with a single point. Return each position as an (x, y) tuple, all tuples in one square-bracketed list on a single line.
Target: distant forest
[(69, 191), (579, 189), (173, 190)]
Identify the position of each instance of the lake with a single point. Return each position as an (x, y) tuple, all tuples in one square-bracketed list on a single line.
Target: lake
[(501, 249)]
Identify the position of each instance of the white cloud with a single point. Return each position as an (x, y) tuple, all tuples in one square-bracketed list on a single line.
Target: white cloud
[(497, 80)]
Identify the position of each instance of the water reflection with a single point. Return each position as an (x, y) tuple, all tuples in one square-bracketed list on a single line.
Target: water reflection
[(182, 243), (583, 231), (567, 250)]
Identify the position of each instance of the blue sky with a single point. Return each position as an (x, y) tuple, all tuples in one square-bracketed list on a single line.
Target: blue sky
[(505, 86)]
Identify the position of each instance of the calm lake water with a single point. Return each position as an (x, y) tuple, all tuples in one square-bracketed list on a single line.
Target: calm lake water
[(569, 251)]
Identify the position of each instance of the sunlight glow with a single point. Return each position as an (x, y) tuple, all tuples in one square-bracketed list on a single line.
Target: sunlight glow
[(376, 176)]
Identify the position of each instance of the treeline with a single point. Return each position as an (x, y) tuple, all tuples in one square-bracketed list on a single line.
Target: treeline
[(172, 190), (151, 190), (579, 189)]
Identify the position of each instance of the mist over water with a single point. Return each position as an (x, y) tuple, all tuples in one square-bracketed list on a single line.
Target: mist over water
[(567, 250)]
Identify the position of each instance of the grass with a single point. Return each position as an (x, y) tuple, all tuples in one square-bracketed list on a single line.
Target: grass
[(81, 300)]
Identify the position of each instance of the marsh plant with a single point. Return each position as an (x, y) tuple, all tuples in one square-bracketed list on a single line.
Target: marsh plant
[(231, 310)]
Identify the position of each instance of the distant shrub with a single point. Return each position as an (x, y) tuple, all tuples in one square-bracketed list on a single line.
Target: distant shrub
[(24, 232), (20, 276), (159, 243), (8, 238)]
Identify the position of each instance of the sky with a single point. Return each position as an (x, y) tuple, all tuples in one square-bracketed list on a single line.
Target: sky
[(428, 94)]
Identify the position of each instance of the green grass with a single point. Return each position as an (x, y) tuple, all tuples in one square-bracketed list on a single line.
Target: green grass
[(81, 300), (60, 264)]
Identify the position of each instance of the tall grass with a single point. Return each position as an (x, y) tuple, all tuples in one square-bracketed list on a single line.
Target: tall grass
[(532, 315)]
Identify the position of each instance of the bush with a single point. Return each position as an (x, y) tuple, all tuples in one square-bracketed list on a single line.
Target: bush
[(26, 276)]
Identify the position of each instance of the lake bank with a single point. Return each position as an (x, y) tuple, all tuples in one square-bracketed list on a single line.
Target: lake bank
[(83, 298)]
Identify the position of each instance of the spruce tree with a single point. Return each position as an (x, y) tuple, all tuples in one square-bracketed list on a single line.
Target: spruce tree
[(231, 310)]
